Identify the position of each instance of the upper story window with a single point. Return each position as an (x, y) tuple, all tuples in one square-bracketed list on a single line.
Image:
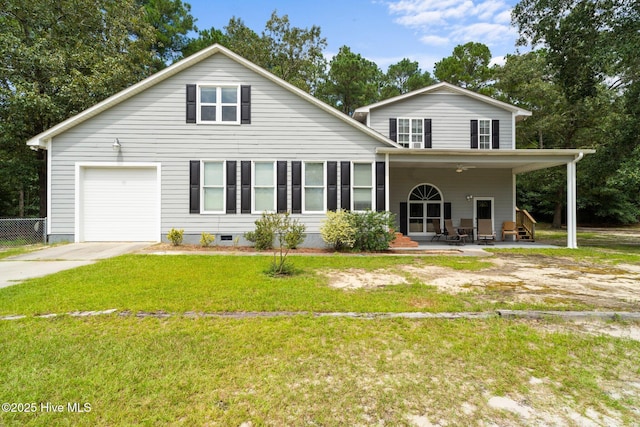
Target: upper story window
[(410, 133), (264, 187), (314, 187), (484, 134), (218, 104), (362, 186)]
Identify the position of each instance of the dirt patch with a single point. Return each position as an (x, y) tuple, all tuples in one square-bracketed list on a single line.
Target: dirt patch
[(516, 279), (357, 279)]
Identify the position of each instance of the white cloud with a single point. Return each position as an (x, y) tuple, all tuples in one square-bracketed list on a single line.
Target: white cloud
[(503, 17), (488, 9), (433, 40), (487, 33), (498, 60)]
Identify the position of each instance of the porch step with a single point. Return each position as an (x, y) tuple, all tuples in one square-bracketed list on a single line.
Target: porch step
[(523, 235), (403, 241)]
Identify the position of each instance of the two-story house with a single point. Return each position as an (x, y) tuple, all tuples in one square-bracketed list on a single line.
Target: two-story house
[(211, 142)]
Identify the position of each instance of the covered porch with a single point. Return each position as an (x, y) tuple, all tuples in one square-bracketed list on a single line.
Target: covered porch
[(463, 186)]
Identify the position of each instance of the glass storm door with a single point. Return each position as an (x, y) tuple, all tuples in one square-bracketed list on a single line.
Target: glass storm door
[(425, 205)]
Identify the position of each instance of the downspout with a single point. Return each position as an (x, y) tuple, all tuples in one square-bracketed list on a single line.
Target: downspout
[(572, 241)]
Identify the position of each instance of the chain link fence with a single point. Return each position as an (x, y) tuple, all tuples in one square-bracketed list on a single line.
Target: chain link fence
[(22, 231)]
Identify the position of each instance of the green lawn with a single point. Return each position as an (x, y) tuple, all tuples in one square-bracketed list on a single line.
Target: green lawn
[(309, 371), (298, 369)]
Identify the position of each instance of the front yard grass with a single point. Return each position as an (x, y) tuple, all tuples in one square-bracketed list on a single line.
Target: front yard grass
[(201, 283), (299, 369), (302, 370)]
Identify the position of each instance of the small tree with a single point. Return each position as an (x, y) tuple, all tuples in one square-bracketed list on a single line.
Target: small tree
[(287, 233)]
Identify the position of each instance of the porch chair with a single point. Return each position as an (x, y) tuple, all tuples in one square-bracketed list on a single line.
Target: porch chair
[(485, 232), (453, 234), (437, 229), (466, 226), (509, 229)]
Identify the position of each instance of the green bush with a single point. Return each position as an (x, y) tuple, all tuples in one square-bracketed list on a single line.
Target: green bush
[(175, 236), (338, 230), (361, 231), (374, 230), (263, 235), (206, 239)]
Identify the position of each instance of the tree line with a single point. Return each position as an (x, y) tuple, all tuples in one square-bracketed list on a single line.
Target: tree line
[(579, 77)]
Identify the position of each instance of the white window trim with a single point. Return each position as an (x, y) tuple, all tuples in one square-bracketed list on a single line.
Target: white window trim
[(324, 187), (253, 185), (410, 131), (353, 186), (218, 104), (224, 186), (490, 134)]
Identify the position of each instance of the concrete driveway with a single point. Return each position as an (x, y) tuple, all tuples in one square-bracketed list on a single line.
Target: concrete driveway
[(46, 261)]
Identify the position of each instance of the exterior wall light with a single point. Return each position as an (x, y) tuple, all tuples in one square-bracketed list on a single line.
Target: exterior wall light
[(116, 145)]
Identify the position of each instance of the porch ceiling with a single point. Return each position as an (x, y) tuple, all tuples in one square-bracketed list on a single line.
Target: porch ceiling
[(519, 161)]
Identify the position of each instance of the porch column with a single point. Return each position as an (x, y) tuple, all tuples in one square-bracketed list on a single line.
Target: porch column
[(386, 182), (572, 241)]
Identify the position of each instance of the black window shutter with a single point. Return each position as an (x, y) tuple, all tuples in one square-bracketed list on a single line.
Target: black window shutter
[(474, 134), (427, 133), (393, 129), (332, 186), (245, 186), (231, 187), (296, 187), (191, 103), (403, 218), (345, 185), (194, 186), (245, 105), (380, 178), (495, 134), (447, 210), (282, 186)]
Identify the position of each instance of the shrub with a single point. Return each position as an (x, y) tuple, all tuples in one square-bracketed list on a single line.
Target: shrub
[(206, 239), (373, 230), (338, 231), (263, 235), (175, 236), (362, 231)]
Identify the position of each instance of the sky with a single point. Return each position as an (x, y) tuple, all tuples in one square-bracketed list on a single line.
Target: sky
[(383, 31)]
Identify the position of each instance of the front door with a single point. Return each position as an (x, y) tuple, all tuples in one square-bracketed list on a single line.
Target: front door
[(425, 205), (483, 209)]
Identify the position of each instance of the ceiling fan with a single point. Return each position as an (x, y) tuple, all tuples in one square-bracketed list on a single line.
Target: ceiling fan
[(460, 168)]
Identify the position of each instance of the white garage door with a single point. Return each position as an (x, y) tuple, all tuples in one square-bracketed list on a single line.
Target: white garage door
[(119, 204)]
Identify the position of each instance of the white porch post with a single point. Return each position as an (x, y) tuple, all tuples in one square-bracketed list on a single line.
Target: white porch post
[(572, 242), (386, 182)]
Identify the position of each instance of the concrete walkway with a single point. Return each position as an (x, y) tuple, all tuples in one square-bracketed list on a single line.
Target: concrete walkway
[(51, 260)]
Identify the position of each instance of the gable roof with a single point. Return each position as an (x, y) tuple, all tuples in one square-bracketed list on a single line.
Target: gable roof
[(361, 113), (42, 140)]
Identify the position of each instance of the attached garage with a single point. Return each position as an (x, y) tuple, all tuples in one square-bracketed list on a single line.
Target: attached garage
[(118, 203)]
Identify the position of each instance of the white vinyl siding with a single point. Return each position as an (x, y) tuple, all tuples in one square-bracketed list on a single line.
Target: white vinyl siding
[(410, 132), (314, 184), (213, 185), (264, 187), (450, 115), (362, 192), (151, 128), (218, 104)]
